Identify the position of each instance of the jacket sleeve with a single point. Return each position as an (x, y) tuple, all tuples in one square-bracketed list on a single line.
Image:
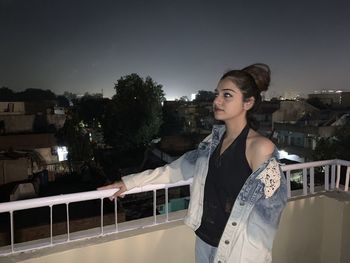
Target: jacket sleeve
[(180, 169)]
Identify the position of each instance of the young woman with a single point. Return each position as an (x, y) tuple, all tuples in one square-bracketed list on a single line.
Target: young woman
[(238, 190)]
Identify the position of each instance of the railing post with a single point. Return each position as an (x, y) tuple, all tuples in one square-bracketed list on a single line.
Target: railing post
[(326, 178), (167, 204), (346, 189), (312, 180), (155, 206), (289, 190), (116, 214), (12, 232), (51, 230), (304, 181), (338, 176), (333, 176), (67, 211), (101, 216)]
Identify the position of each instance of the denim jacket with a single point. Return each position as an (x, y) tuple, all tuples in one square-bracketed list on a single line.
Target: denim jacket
[(251, 227)]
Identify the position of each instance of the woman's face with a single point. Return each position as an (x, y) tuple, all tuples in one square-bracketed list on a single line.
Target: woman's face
[(228, 103)]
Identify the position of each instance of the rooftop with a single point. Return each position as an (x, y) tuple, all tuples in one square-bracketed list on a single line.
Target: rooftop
[(313, 225)]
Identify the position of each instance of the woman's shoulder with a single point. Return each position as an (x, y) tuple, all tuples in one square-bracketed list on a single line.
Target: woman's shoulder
[(259, 149)]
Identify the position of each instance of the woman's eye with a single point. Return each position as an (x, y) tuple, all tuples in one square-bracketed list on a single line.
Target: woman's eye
[(216, 94), (227, 95)]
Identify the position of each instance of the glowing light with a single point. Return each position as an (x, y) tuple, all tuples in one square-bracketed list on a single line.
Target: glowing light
[(193, 96), (62, 153)]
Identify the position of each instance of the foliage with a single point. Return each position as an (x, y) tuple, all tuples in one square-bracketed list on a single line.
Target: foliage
[(183, 98), (62, 101), (336, 146), (74, 136), (35, 95), (172, 122), (205, 96), (91, 109), (6, 94), (133, 117)]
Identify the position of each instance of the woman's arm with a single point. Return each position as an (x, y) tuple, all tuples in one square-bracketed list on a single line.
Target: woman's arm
[(180, 169)]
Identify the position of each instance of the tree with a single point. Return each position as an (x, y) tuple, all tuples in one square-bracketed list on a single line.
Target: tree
[(6, 94), (73, 135), (205, 96), (336, 146), (36, 95), (183, 98), (134, 115), (91, 109), (62, 101)]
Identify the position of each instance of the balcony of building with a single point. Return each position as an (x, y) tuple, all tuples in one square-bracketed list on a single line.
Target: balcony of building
[(313, 225)]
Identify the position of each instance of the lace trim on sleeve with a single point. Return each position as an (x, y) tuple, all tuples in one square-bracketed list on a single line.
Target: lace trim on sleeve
[(271, 178)]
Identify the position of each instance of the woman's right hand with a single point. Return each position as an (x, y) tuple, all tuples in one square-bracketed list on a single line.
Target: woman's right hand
[(118, 184)]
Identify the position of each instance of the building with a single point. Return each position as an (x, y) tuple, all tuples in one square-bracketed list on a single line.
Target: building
[(332, 98), (264, 116), (297, 126), (27, 139), (184, 117)]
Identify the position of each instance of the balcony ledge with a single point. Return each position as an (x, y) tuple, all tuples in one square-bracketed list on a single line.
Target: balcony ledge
[(313, 229)]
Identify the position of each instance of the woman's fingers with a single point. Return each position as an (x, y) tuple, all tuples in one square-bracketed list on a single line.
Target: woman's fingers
[(121, 190)]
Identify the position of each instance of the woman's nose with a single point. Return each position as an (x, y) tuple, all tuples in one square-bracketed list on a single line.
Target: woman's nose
[(217, 100)]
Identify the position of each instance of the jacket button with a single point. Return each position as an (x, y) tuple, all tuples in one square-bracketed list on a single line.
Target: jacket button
[(234, 223), (227, 242), (219, 261), (241, 203)]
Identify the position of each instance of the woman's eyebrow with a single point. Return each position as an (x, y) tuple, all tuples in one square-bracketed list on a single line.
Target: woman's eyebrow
[(229, 90)]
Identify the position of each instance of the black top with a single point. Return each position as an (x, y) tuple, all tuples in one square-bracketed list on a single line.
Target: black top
[(227, 174)]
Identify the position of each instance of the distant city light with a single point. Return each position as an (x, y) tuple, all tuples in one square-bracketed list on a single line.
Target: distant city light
[(285, 155), (327, 91), (62, 153)]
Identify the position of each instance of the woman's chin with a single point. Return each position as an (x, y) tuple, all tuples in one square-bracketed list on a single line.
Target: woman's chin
[(218, 117)]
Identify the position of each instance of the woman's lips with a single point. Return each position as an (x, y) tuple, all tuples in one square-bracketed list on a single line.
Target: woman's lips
[(218, 110)]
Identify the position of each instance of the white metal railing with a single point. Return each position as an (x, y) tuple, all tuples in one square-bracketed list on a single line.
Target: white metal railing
[(331, 171), (66, 199)]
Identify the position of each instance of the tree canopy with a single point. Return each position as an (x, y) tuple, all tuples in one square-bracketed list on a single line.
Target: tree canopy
[(91, 109), (7, 94), (335, 147), (73, 135), (205, 96), (134, 115)]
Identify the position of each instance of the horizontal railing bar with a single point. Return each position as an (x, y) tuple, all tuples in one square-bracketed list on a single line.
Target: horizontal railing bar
[(297, 166), (81, 196)]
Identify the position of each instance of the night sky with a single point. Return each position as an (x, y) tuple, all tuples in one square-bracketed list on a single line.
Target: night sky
[(86, 46)]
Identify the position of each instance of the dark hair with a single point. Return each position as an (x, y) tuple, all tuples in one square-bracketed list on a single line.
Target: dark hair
[(251, 80)]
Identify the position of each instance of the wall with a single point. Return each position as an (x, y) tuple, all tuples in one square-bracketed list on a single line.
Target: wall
[(312, 229), (13, 170), (24, 123), (18, 107), (172, 245)]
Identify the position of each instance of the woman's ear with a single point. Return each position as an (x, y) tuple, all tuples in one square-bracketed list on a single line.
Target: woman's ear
[(249, 103)]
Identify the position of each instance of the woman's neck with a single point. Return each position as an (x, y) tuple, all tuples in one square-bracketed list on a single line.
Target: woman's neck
[(233, 129)]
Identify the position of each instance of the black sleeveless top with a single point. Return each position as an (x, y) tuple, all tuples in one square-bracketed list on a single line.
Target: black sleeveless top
[(227, 174)]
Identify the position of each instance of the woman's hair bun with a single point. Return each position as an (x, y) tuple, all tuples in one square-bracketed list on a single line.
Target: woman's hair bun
[(261, 74)]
